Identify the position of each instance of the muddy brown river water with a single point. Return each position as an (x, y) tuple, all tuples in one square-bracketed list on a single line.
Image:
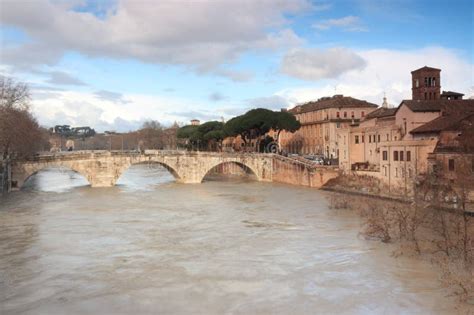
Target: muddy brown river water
[(153, 246)]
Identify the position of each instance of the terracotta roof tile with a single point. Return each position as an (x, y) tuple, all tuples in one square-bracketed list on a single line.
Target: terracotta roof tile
[(426, 68), (337, 101), (449, 122), (438, 105), (381, 112)]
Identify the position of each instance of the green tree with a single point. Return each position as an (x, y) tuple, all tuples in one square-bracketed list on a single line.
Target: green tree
[(207, 136), (255, 123), (285, 121)]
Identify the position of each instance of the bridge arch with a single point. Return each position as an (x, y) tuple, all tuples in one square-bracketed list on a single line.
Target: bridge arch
[(29, 172), (244, 166), (168, 167)]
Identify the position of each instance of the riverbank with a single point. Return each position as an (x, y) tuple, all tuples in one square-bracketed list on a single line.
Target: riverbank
[(367, 186), (442, 238)]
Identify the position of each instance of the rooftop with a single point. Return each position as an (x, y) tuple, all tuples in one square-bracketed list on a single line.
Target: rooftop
[(438, 105), (426, 68), (450, 122), (381, 112), (451, 93), (337, 101)]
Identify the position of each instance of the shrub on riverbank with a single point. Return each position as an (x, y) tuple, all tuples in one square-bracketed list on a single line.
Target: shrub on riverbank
[(444, 237)]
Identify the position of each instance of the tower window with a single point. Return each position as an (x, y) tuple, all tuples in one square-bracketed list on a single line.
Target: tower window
[(433, 82), (417, 83), (451, 165)]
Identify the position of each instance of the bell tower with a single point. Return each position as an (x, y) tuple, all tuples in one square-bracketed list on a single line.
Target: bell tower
[(426, 83)]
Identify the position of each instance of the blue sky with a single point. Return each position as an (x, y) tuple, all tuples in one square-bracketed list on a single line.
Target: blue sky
[(114, 64)]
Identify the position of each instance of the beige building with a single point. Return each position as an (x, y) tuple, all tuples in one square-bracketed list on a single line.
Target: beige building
[(320, 120), (359, 145)]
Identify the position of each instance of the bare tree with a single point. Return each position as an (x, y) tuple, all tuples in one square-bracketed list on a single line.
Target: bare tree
[(13, 94), (20, 133)]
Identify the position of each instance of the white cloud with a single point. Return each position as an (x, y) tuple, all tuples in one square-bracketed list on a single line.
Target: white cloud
[(348, 23), (315, 64), (105, 110), (390, 71), (273, 102), (63, 78), (202, 35)]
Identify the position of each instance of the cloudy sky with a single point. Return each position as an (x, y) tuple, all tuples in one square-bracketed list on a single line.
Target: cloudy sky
[(112, 64)]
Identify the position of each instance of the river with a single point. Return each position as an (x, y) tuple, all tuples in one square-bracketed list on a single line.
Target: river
[(150, 245)]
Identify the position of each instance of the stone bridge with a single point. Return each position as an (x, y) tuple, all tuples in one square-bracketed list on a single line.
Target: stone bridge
[(104, 168)]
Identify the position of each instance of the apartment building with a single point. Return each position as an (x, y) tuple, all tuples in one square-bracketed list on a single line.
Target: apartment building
[(320, 120)]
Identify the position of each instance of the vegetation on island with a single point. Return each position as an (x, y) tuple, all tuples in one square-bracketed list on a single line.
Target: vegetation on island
[(253, 125)]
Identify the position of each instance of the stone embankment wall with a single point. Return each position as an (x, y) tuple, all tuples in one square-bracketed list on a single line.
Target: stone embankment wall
[(5, 175), (294, 172)]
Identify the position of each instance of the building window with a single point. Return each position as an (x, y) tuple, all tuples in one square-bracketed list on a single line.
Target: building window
[(352, 114), (433, 82), (402, 156), (451, 165), (370, 138), (338, 125), (385, 155), (345, 114), (357, 139), (363, 139), (408, 156), (395, 155), (338, 115), (426, 95), (378, 140), (362, 114), (385, 168), (396, 172), (417, 83)]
